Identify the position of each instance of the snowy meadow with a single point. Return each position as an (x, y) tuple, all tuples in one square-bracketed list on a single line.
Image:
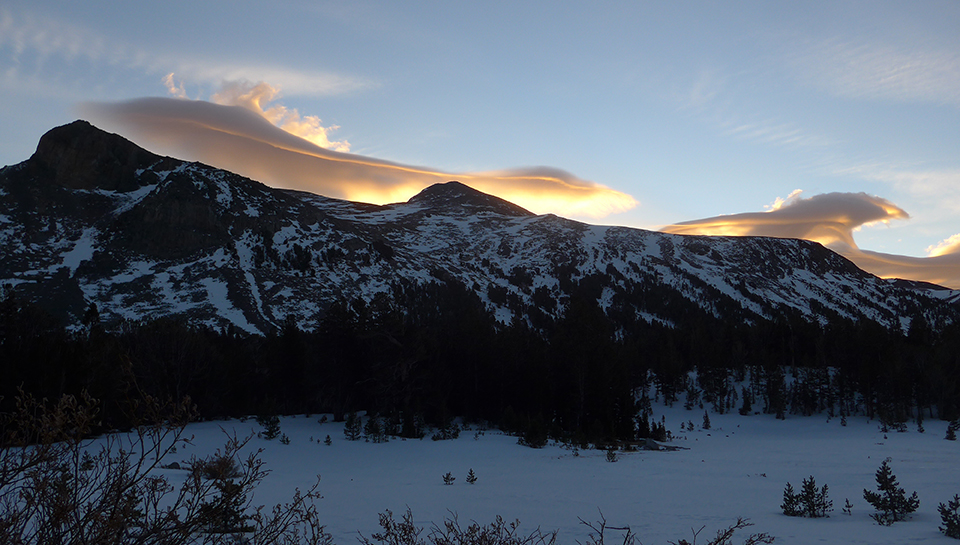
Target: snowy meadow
[(738, 468)]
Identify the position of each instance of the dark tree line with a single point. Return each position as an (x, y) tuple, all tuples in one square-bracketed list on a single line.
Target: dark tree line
[(430, 353)]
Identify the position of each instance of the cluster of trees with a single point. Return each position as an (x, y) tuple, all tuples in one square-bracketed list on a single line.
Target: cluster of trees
[(890, 502), (427, 353)]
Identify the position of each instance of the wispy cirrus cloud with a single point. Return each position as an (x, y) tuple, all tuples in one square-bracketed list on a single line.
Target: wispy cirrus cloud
[(870, 70), (774, 133), (242, 139), (940, 188), (31, 43), (715, 98)]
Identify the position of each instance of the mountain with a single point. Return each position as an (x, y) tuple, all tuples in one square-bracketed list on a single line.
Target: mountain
[(92, 218)]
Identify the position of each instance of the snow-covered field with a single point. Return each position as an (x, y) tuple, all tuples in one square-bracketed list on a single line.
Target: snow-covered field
[(736, 469)]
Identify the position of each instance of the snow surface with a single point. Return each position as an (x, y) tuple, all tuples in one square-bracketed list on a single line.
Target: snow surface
[(82, 250), (738, 468)]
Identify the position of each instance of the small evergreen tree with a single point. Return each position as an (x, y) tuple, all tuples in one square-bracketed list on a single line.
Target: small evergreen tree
[(375, 430), (471, 477), (952, 430), (810, 502), (706, 420), (891, 502), (847, 507), (814, 500), (351, 429), (328, 441), (448, 478), (746, 408), (611, 454), (271, 426), (791, 502), (643, 426), (950, 515)]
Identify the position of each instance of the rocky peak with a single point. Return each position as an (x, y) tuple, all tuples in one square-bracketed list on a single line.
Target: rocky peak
[(454, 195), (81, 156)]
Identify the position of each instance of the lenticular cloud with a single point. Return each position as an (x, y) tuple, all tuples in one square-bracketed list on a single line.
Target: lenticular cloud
[(831, 219), (239, 136)]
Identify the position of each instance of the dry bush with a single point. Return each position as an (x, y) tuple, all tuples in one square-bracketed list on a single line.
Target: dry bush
[(58, 485)]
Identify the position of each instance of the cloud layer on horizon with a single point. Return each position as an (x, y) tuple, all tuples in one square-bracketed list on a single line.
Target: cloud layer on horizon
[(243, 133), (239, 136), (832, 219)]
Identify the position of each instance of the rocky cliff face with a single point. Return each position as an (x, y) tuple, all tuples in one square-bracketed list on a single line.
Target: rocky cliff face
[(92, 218)]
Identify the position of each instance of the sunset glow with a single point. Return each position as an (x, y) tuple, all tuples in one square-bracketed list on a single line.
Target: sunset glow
[(831, 220), (242, 138)]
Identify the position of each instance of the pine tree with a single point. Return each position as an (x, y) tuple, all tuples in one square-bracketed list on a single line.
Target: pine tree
[(810, 502), (351, 429), (814, 500), (746, 408), (328, 441), (791, 502), (471, 477), (271, 426), (706, 420), (952, 428), (375, 430), (449, 478), (847, 507), (950, 515), (891, 503)]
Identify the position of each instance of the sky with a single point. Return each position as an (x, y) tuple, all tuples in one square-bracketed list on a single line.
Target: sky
[(833, 121)]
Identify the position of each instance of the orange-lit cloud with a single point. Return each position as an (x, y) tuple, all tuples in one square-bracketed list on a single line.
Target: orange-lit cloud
[(831, 219), (239, 136), (945, 247), (256, 97)]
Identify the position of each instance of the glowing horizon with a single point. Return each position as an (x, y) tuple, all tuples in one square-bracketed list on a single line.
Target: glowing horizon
[(242, 139)]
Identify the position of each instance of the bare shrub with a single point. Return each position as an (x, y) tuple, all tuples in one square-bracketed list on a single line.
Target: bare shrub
[(451, 532), (57, 485)]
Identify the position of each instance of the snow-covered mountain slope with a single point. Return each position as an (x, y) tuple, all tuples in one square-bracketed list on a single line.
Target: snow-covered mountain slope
[(92, 218)]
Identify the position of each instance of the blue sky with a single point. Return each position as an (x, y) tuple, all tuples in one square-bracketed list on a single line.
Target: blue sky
[(692, 109)]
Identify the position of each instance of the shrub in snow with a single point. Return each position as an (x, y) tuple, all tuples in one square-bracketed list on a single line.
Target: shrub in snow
[(499, 532), (891, 501), (52, 493), (327, 441), (449, 430), (950, 515), (598, 530), (471, 477), (725, 536), (810, 502), (611, 454), (706, 420), (449, 478)]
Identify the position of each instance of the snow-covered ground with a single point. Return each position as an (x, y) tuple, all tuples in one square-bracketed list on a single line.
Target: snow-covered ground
[(736, 469)]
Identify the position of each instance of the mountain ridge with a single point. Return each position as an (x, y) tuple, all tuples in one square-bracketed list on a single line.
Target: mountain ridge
[(93, 218)]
